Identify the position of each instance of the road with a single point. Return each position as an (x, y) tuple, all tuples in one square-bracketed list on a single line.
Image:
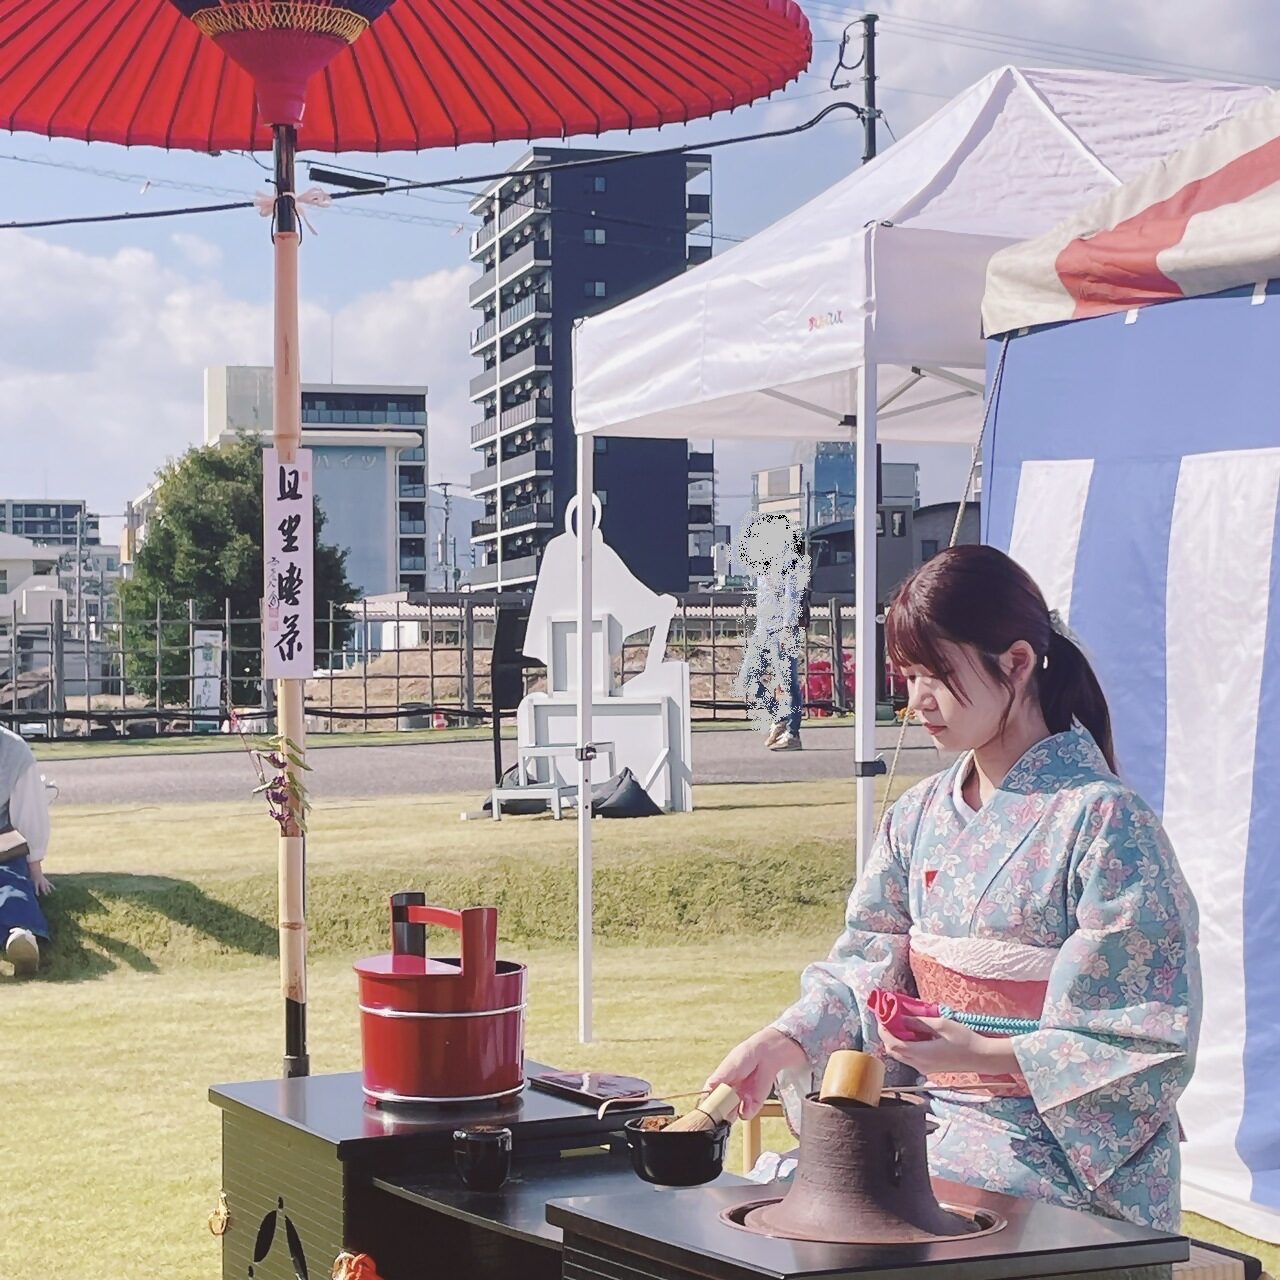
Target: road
[(446, 768)]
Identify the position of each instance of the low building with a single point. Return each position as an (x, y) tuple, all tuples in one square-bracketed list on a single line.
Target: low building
[(28, 582), (933, 526), (821, 488)]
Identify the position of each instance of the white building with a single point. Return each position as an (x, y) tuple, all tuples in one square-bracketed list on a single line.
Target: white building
[(369, 445), (28, 582)]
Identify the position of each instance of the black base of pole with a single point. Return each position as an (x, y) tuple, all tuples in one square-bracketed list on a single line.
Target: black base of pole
[(296, 1060)]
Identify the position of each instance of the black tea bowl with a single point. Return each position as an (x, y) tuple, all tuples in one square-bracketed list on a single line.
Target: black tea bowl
[(682, 1159)]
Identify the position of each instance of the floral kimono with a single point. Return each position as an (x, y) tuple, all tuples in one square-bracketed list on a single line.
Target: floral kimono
[(1060, 901)]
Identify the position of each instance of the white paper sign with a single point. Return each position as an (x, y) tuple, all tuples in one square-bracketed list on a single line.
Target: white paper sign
[(288, 545), (206, 674)]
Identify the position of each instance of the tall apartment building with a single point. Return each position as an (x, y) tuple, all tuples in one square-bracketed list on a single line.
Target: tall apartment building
[(369, 445), (555, 247), (52, 521)]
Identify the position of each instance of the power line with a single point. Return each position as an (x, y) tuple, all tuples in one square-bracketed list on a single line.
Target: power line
[(1061, 52), (438, 184), (174, 184)]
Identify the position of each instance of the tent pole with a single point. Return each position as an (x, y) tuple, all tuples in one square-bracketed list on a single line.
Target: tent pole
[(586, 536), (866, 767)]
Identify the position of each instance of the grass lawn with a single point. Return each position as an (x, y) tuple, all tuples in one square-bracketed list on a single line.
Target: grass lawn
[(126, 1147), (148, 887), (163, 981)]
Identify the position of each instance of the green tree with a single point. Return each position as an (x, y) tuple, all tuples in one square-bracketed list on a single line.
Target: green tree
[(204, 544)]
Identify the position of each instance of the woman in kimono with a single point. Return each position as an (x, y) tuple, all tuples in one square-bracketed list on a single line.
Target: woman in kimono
[(1027, 882)]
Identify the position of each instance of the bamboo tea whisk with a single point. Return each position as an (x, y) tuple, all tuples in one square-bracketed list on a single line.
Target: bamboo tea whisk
[(720, 1106)]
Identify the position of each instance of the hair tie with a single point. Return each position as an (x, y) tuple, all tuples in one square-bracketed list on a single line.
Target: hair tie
[(1058, 625)]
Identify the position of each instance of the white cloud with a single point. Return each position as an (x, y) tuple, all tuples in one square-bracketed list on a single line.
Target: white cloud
[(196, 250), (101, 359)]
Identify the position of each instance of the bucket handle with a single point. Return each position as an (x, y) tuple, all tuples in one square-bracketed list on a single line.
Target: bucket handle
[(477, 928), (443, 916)]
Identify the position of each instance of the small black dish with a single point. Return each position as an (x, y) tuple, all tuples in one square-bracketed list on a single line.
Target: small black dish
[(482, 1156), (676, 1159)]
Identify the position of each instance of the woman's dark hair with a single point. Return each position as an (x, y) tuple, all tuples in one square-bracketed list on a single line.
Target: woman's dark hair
[(979, 597)]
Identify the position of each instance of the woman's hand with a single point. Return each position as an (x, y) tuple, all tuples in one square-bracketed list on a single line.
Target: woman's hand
[(39, 881), (753, 1066), (952, 1047)]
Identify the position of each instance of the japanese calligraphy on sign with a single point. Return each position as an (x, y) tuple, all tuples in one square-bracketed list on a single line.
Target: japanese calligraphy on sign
[(288, 566)]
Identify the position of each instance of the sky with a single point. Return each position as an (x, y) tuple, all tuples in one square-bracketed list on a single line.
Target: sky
[(105, 330)]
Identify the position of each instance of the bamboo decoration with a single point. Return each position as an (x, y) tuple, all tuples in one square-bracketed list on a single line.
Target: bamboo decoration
[(291, 721)]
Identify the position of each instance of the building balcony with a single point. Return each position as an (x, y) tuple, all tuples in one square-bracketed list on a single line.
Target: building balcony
[(533, 304), (481, 237), (525, 361), (486, 527), (533, 513), (702, 464), (484, 382), (702, 567), (700, 515), (698, 254), (484, 430), (484, 333), (407, 490), (413, 564), (484, 286), (697, 210), (531, 410), (532, 462), (522, 568), (526, 203), (410, 527), (537, 253)]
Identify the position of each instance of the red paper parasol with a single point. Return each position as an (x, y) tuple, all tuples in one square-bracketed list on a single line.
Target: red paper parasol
[(369, 75), (426, 73)]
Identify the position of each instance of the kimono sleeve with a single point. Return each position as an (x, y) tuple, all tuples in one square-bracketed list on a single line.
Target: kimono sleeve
[(1117, 1038), (872, 952)]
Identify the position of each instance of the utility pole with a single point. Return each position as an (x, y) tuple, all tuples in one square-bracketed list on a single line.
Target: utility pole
[(444, 486), (79, 569), (869, 86)]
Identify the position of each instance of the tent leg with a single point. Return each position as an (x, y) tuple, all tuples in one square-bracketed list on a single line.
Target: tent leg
[(865, 549), (586, 487)]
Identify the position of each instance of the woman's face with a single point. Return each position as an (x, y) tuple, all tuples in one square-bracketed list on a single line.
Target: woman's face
[(969, 714)]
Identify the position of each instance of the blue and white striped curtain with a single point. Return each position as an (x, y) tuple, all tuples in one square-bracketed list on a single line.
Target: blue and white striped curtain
[(1133, 467)]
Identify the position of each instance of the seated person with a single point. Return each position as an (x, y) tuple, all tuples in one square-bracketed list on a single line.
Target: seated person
[(24, 837)]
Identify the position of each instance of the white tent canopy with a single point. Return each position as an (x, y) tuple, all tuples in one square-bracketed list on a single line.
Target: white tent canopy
[(761, 340), (864, 304)]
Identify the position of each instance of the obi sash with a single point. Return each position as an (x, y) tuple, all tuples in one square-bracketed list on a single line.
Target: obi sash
[(982, 975)]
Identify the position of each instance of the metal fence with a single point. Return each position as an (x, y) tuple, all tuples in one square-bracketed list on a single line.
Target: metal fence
[(380, 666)]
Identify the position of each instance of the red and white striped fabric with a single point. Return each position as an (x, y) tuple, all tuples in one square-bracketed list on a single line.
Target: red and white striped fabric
[(1205, 219)]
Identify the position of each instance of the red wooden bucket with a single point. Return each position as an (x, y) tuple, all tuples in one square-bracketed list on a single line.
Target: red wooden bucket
[(441, 1030)]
